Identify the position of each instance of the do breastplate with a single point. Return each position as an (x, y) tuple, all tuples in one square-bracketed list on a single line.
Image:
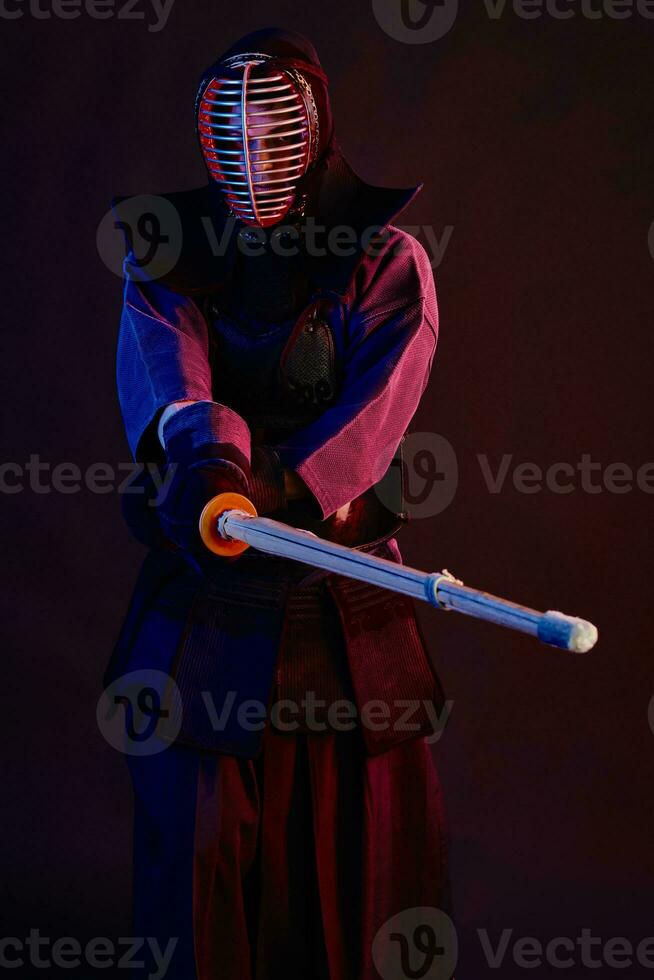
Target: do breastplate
[(280, 373), (277, 376)]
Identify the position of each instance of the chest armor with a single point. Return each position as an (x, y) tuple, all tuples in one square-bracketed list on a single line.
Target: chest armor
[(280, 377)]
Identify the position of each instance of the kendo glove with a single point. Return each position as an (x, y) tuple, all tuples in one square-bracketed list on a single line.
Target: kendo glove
[(267, 487), (207, 445)]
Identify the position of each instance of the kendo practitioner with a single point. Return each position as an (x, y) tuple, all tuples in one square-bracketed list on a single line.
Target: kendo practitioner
[(288, 371)]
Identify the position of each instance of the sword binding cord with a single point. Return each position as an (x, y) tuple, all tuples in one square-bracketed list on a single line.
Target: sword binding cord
[(445, 576)]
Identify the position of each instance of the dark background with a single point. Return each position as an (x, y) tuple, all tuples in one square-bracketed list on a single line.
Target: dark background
[(535, 140)]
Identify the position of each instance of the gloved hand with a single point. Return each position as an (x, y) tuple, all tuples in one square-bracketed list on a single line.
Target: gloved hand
[(208, 446), (267, 484)]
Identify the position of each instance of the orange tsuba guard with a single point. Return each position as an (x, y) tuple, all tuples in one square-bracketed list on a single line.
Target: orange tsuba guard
[(210, 516)]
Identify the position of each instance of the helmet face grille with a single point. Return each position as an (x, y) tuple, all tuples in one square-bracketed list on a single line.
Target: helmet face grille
[(256, 138)]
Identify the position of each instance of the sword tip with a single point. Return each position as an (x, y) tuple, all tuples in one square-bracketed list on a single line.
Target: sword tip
[(567, 632)]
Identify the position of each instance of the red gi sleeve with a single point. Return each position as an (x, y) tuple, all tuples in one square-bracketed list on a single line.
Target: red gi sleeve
[(392, 335)]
